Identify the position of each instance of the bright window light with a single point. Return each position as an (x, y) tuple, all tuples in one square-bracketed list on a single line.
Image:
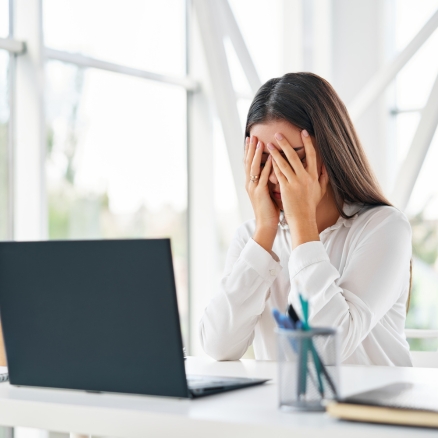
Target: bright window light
[(148, 35), (4, 18)]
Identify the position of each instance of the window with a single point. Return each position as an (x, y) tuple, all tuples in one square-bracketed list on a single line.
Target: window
[(148, 35), (116, 163), (413, 85), (262, 33), (266, 51), (4, 18)]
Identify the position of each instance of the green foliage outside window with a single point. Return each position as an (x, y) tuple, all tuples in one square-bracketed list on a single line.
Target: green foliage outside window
[(423, 311)]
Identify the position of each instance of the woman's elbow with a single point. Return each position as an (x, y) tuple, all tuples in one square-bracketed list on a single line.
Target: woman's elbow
[(218, 347), (222, 354)]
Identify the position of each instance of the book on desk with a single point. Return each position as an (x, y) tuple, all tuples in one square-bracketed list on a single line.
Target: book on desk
[(401, 403)]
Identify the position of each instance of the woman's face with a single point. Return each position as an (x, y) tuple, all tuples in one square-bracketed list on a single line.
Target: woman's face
[(265, 133)]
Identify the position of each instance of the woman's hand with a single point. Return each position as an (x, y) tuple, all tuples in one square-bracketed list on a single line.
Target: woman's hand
[(302, 188), (267, 214)]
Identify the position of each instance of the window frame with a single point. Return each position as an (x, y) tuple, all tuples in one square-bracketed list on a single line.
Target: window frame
[(26, 153)]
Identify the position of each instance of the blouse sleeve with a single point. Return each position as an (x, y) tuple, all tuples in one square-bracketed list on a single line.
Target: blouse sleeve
[(227, 326), (375, 275)]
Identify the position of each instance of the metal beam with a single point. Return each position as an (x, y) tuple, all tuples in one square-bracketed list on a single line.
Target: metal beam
[(202, 236), (211, 30), (13, 46), (372, 90), (87, 61), (411, 166), (201, 215), (233, 31), (29, 186), (11, 131)]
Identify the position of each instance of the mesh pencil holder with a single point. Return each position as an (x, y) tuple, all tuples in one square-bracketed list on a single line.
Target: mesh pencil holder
[(308, 368)]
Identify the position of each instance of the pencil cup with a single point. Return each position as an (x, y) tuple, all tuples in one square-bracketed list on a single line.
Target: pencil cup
[(308, 368)]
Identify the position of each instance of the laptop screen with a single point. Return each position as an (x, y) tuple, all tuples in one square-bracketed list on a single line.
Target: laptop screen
[(92, 315)]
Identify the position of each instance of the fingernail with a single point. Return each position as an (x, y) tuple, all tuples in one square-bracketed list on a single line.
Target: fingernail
[(270, 146), (305, 133), (259, 144), (278, 136)]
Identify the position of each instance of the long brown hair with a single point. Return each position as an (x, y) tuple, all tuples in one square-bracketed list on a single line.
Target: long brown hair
[(310, 102)]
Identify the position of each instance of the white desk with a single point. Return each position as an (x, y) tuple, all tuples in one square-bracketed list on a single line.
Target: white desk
[(248, 412)]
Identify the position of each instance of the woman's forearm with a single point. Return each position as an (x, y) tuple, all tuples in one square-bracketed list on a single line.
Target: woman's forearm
[(227, 326), (303, 230), (265, 238)]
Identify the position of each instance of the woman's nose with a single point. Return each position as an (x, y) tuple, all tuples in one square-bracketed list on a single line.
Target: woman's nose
[(272, 177)]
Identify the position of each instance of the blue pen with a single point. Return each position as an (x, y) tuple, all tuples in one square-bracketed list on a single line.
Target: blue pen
[(283, 321), (286, 322)]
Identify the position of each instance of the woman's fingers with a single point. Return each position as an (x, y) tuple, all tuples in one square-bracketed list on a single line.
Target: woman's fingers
[(281, 163), (249, 156), (278, 173), (245, 157), (291, 154), (245, 152), (256, 162), (310, 154), (266, 171)]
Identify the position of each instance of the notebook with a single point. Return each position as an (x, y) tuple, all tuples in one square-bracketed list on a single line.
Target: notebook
[(399, 403)]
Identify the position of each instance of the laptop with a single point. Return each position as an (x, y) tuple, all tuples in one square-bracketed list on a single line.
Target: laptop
[(98, 316)]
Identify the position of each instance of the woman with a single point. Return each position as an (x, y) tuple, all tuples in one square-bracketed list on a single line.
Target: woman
[(322, 228)]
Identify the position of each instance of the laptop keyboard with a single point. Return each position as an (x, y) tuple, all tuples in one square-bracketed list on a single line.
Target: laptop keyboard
[(194, 381)]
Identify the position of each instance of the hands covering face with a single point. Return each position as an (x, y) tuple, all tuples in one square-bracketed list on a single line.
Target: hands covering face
[(297, 175), (302, 188)]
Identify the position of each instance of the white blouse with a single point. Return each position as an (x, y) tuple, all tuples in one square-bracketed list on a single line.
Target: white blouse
[(356, 278)]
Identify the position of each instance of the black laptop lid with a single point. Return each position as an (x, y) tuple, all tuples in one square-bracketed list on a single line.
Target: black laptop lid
[(92, 315)]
